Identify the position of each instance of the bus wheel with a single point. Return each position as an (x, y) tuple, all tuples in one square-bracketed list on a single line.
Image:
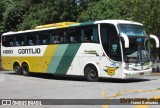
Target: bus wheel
[(17, 69), (91, 73), (25, 69)]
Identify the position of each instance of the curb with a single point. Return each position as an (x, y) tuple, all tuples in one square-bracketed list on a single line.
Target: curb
[(155, 74)]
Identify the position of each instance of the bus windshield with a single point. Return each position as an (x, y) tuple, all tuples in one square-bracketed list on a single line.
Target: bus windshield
[(138, 52), (132, 30)]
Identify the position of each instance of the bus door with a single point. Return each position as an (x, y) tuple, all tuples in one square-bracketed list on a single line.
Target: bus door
[(111, 63)]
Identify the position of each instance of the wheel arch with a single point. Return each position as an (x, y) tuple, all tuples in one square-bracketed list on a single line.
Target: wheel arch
[(16, 63), (93, 64), (25, 62)]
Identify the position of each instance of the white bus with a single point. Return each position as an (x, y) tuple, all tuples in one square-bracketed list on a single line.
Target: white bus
[(105, 48)]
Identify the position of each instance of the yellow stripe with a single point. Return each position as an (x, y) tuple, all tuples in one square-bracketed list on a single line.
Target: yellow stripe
[(7, 62), (58, 25), (36, 64), (45, 60)]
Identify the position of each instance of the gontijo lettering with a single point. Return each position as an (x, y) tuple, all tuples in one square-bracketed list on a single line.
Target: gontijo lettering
[(29, 51)]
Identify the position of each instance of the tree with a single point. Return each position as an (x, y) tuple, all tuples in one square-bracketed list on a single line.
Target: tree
[(4, 4), (144, 11), (13, 15), (104, 9), (49, 11)]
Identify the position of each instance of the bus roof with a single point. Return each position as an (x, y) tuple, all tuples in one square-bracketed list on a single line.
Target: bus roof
[(61, 24), (118, 22), (71, 24)]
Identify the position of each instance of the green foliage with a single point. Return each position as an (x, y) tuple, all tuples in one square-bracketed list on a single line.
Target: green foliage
[(13, 15), (49, 11), (104, 9), (27, 14), (144, 11), (33, 17), (3, 6)]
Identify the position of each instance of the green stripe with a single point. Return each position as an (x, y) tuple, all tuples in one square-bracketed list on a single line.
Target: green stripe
[(67, 58), (87, 23), (57, 58), (83, 24)]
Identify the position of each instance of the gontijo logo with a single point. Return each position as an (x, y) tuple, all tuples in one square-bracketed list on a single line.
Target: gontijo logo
[(29, 51), (24, 51)]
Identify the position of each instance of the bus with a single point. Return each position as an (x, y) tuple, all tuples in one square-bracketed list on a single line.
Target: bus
[(94, 49)]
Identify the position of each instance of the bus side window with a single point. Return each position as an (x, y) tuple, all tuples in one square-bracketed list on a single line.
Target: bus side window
[(74, 35), (22, 43), (56, 39), (94, 37), (51, 39), (17, 43), (44, 38), (30, 42), (72, 39), (87, 35), (44, 41), (11, 44), (57, 36), (90, 34), (19, 40), (61, 40), (7, 41), (31, 39)]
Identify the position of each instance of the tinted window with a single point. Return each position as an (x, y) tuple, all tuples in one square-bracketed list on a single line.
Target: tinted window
[(90, 34), (57, 36), (7, 41), (73, 35), (19, 40), (31, 39), (110, 41), (132, 30), (43, 38)]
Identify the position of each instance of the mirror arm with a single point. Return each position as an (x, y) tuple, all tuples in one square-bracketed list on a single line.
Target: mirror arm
[(156, 39), (126, 39)]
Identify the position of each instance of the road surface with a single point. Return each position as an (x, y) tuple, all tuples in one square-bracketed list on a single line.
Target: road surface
[(38, 86)]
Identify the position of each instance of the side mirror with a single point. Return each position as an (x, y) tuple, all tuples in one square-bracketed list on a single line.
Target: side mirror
[(126, 40), (156, 39)]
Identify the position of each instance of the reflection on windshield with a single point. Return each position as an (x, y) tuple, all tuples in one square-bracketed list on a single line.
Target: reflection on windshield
[(138, 51), (132, 30)]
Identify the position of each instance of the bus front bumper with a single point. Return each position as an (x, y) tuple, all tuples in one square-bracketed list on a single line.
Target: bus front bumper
[(135, 74)]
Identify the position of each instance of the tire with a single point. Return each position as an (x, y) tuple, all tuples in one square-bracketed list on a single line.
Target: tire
[(25, 69), (17, 69), (91, 73)]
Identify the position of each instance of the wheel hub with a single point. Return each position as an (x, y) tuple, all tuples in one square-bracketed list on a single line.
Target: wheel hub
[(93, 73)]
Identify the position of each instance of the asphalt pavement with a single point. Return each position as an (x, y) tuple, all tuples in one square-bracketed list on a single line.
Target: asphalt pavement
[(41, 86)]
